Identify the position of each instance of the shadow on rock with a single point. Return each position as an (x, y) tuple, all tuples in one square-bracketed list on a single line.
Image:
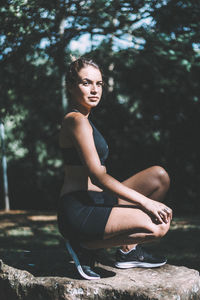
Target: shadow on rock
[(48, 263)]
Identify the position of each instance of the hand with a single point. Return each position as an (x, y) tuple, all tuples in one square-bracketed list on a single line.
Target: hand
[(158, 210)]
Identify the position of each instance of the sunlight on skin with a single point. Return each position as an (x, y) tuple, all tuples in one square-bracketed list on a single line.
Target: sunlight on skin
[(28, 230)]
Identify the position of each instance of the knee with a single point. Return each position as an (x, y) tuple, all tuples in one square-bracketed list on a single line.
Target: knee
[(162, 177), (160, 230)]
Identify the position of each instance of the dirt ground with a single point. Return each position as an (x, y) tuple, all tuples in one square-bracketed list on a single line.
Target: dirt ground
[(30, 240)]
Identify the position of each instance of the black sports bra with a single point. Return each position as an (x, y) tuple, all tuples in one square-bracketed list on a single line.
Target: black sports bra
[(71, 156)]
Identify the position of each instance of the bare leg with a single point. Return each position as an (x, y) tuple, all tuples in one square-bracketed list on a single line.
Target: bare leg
[(152, 182), (130, 226), (127, 227)]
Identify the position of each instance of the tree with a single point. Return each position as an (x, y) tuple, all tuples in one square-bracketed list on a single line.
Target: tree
[(34, 48), (157, 85), (155, 95)]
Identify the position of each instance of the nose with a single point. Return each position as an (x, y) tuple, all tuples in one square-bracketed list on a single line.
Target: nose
[(94, 89)]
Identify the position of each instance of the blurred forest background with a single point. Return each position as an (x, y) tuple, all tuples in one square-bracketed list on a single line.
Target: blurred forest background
[(150, 113)]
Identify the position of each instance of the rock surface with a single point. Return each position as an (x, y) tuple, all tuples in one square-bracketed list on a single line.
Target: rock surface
[(166, 283)]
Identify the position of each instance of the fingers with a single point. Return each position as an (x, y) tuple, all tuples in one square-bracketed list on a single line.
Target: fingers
[(158, 218), (161, 212), (166, 214), (168, 210)]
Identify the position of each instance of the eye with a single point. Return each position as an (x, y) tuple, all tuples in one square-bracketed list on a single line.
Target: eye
[(100, 83), (85, 83)]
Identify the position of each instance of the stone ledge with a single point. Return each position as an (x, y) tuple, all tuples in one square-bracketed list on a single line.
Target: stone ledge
[(166, 283)]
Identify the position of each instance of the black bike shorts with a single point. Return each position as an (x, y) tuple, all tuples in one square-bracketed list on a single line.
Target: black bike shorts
[(82, 215)]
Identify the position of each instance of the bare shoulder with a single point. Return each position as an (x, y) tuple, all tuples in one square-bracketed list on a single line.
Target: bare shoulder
[(74, 120)]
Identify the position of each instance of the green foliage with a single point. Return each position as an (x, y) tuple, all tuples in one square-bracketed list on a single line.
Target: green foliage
[(151, 116), (157, 86)]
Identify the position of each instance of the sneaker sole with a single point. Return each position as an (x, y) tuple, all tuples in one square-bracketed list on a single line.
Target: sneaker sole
[(77, 263), (135, 264)]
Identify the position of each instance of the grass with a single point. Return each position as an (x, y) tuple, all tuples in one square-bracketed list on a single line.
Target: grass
[(30, 240)]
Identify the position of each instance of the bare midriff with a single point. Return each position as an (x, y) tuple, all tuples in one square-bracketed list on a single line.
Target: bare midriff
[(76, 179)]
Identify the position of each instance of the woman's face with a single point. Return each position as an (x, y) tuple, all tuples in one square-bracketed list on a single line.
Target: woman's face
[(88, 90)]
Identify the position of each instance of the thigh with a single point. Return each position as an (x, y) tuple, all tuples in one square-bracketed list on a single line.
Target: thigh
[(72, 213), (144, 182), (84, 214), (128, 220), (152, 182)]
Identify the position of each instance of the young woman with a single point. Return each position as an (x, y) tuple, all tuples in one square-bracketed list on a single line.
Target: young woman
[(96, 210)]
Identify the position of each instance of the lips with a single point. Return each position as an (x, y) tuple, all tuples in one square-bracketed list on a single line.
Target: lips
[(93, 98)]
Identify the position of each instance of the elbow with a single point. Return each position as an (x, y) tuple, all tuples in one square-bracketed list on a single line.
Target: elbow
[(97, 178)]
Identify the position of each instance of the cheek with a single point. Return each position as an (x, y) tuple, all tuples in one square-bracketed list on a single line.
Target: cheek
[(81, 94), (78, 93), (83, 91)]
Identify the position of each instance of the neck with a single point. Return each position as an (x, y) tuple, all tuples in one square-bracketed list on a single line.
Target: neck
[(83, 110)]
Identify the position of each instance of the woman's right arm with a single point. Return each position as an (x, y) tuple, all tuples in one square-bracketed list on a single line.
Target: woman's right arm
[(80, 132)]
